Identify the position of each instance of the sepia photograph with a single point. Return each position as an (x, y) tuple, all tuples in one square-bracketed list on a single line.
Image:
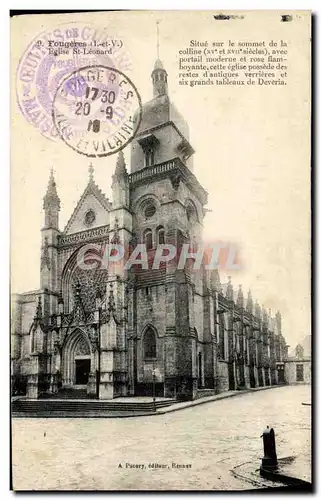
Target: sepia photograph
[(161, 251)]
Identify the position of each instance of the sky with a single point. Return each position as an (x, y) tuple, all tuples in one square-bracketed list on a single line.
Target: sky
[(252, 154)]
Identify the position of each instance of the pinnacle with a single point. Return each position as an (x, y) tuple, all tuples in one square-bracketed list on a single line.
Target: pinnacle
[(215, 280), (240, 298), (120, 165), (229, 289), (39, 309), (51, 197), (249, 302)]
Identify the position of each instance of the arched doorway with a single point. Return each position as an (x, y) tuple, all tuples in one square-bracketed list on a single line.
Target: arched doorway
[(149, 364), (150, 344), (76, 360)]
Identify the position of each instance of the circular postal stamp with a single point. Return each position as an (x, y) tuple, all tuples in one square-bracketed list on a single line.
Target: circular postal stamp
[(97, 110), (54, 54)]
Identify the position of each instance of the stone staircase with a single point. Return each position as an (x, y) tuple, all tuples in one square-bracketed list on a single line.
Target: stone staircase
[(67, 393), (55, 408)]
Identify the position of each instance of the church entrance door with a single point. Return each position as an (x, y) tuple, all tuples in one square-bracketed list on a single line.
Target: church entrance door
[(76, 360), (82, 371)]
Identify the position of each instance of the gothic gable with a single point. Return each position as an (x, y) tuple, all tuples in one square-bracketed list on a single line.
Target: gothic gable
[(91, 211)]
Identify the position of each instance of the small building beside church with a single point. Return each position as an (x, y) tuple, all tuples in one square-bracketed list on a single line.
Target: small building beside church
[(298, 364), (119, 334)]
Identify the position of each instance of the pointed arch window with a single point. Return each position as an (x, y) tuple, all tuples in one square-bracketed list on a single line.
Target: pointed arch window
[(160, 233), (148, 239), (149, 344)]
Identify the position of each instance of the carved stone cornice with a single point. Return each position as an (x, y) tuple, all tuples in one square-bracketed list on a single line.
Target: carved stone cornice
[(89, 235)]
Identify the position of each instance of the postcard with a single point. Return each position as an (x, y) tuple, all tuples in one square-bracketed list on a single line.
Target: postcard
[(160, 251)]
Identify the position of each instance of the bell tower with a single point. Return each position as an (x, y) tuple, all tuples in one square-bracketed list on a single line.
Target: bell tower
[(167, 203), (163, 133)]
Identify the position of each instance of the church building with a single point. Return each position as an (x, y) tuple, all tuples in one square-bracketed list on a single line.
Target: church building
[(178, 332)]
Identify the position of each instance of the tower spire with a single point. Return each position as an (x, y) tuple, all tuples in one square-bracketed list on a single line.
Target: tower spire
[(51, 203), (159, 74), (157, 46), (120, 183), (51, 196), (120, 165)]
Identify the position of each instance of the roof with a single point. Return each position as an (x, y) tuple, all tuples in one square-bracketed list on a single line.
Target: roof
[(94, 190), (158, 64)]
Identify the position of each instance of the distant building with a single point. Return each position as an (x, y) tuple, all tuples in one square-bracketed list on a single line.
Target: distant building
[(118, 334), (298, 365)]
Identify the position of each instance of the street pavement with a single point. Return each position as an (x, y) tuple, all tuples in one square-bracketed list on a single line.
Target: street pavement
[(198, 448)]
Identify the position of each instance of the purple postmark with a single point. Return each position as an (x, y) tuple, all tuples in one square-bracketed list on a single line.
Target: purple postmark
[(76, 86), (97, 110), (53, 55)]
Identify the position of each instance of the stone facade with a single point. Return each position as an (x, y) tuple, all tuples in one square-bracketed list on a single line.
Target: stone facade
[(117, 331)]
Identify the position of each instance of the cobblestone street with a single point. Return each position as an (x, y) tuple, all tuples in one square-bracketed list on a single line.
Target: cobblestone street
[(210, 440)]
